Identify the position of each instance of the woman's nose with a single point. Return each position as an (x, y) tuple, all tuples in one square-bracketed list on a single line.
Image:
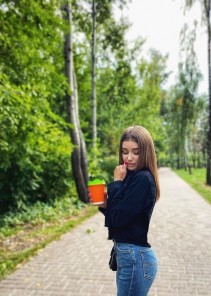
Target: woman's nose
[(129, 156)]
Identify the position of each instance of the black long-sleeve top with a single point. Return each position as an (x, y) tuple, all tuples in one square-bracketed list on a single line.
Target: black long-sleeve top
[(129, 207)]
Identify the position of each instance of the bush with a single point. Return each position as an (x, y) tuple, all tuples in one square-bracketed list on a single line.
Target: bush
[(107, 166), (34, 150)]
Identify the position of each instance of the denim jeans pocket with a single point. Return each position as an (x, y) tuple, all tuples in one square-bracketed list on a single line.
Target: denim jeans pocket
[(124, 255), (149, 263), (123, 248)]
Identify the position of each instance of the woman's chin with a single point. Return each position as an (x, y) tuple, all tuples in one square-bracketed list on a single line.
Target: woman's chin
[(131, 168)]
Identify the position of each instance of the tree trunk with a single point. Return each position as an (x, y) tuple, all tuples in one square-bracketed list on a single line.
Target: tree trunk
[(204, 157), (194, 159), (208, 174), (199, 165), (73, 116), (187, 163), (84, 162), (178, 161), (93, 58)]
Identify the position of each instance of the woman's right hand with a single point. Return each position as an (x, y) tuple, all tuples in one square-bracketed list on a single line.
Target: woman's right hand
[(120, 172)]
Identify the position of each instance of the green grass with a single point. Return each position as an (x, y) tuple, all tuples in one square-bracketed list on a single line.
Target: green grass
[(197, 180), (27, 239)]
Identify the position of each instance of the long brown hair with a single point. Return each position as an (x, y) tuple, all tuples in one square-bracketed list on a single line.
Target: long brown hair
[(147, 157)]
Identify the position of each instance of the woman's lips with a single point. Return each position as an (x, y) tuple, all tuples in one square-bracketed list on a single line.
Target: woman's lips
[(129, 164)]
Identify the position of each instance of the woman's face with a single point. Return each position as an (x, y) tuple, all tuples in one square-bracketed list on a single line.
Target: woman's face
[(130, 154)]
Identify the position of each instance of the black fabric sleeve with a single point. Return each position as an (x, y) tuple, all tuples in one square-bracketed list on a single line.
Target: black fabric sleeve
[(114, 187), (125, 207), (102, 210)]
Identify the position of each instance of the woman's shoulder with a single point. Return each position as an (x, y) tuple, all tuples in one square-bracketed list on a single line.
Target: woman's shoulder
[(144, 175)]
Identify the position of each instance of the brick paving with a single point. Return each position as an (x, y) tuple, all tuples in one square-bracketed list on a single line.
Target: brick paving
[(77, 264)]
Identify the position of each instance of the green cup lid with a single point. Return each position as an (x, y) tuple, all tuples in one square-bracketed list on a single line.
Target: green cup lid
[(96, 181)]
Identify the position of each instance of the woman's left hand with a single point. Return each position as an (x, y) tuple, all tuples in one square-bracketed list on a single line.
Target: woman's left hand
[(103, 205)]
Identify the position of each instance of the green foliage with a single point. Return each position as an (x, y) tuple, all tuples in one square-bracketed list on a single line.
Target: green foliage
[(40, 213), (34, 143), (102, 165), (34, 149), (30, 39), (128, 97), (185, 110), (31, 43), (108, 165)]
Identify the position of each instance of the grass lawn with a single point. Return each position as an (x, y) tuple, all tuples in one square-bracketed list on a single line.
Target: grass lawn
[(197, 180)]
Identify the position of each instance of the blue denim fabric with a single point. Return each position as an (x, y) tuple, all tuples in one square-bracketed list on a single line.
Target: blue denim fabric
[(136, 269)]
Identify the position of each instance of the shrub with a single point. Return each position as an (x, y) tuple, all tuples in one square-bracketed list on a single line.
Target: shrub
[(34, 149)]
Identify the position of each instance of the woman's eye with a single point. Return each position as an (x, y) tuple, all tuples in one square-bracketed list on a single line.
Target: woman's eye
[(124, 152), (136, 153)]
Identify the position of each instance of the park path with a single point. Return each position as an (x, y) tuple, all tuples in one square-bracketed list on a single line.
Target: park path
[(77, 264)]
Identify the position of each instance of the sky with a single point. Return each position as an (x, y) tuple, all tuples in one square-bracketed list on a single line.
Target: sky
[(160, 22)]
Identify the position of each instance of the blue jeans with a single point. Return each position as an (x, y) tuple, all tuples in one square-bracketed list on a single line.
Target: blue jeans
[(136, 269)]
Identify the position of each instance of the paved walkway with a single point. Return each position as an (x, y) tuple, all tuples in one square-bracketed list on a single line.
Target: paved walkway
[(77, 264)]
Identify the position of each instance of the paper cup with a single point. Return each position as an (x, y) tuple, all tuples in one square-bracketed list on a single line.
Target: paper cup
[(96, 189)]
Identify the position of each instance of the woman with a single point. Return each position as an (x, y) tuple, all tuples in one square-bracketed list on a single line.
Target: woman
[(128, 209)]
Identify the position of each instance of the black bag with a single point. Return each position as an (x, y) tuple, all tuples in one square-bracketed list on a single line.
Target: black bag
[(112, 261)]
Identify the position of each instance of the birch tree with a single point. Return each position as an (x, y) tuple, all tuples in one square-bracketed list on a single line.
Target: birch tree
[(205, 7), (94, 102), (78, 156)]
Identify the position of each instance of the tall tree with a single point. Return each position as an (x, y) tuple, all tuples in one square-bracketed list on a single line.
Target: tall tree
[(101, 14), (183, 102), (93, 57), (100, 31), (206, 6), (189, 77), (78, 156)]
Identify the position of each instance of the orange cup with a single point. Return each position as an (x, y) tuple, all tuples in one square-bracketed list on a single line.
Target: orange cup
[(96, 189)]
